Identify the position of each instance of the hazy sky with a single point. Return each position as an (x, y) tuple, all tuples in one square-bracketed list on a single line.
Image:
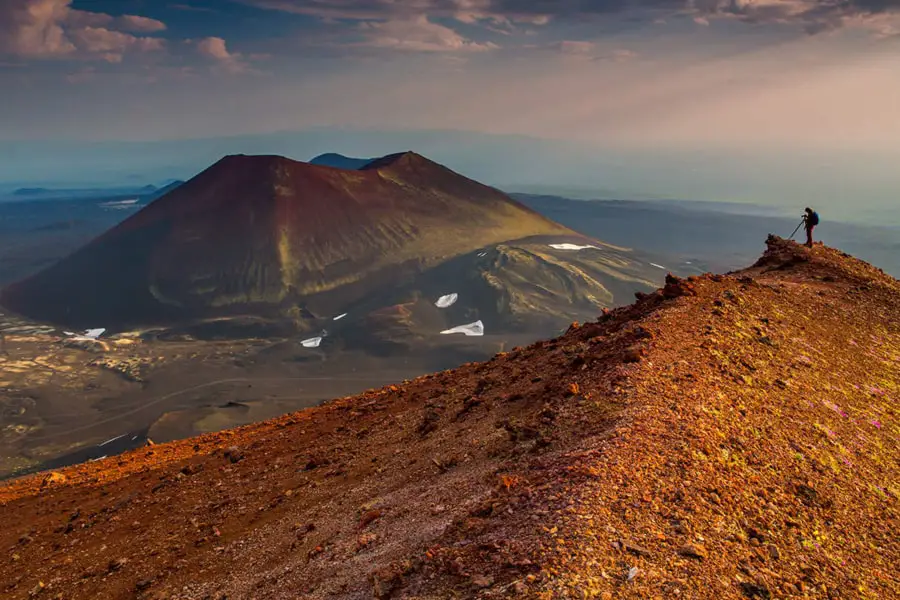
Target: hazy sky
[(771, 80)]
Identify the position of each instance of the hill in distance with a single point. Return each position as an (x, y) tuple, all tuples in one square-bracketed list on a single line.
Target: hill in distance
[(726, 436), (298, 244), (339, 161), (161, 191)]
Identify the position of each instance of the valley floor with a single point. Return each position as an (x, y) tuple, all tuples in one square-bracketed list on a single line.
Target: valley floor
[(727, 436)]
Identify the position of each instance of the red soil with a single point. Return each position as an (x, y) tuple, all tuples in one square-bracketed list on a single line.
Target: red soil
[(728, 436)]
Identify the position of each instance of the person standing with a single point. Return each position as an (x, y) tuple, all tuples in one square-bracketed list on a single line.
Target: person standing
[(810, 219)]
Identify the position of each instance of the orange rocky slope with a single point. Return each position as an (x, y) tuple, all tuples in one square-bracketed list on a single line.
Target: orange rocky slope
[(729, 436)]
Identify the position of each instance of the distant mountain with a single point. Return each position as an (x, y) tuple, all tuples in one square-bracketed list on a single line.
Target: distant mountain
[(155, 193), (30, 191), (298, 243), (339, 161), (65, 193)]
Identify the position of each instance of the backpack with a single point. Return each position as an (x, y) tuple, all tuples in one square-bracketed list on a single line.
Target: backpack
[(813, 219)]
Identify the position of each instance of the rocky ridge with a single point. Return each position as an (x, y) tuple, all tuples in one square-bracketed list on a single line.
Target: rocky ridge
[(731, 436)]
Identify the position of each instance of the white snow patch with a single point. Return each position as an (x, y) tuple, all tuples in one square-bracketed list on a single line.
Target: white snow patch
[(112, 440), (568, 246), (447, 301), (90, 335), (339, 317), (312, 342), (657, 266), (471, 330), (120, 203)]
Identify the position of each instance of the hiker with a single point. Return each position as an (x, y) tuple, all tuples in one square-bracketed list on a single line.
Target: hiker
[(810, 219)]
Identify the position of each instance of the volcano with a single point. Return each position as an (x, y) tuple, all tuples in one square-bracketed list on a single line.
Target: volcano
[(276, 238)]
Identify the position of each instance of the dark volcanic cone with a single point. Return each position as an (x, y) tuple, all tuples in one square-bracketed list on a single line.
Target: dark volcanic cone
[(269, 236)]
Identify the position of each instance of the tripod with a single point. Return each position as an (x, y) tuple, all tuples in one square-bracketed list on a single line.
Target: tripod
[(802, 221)]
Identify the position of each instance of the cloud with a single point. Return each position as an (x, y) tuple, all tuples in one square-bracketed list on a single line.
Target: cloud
[(418, 34), (112, 45), (576, 48), (216, 49), (140, 24), (51, 29), (590, 51), (619, 55), (191, 8), (466, 11), (812, 15)]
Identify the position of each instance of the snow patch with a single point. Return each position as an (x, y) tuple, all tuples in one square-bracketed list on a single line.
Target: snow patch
[(447, 301), (120, 204), (568, 246), (90, 335), (312, 342), (112, 440), (471, 330)]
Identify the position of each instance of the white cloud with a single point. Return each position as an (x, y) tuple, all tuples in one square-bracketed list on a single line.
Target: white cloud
[(465, 11), (815, 16), (112, 45), (812, 15), (33, 28), (216, 49), (419, 34), (140, 24), (46, 29)]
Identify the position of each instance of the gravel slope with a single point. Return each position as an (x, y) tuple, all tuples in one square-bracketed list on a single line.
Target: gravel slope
[(727, 436)]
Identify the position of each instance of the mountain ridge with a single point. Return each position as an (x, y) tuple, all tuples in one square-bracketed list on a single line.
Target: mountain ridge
[(727, 435)]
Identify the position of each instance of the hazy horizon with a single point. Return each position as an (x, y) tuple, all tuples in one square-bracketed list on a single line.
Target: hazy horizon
[(783, 103), (512, 163)]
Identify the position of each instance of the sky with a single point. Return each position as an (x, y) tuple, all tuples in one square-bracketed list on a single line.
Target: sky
[(771, 101)]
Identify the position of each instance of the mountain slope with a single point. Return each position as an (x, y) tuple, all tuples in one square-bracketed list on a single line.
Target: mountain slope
[(727, 436), (271, 236)]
